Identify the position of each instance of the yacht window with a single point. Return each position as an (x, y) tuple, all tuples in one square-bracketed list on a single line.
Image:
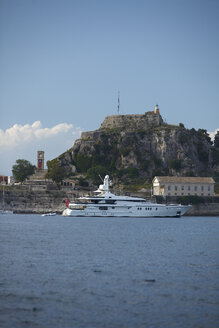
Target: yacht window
[(110, 201), (156, 208), (103, 208)]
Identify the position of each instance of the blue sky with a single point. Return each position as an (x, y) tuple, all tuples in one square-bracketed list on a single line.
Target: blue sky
[(64, 61)]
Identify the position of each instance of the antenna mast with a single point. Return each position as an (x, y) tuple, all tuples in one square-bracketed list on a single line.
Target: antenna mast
[(118, 106)]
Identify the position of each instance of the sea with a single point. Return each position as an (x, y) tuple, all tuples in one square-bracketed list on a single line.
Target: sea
[(64, 272)]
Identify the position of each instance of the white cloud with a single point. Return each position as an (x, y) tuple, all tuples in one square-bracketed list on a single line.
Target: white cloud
[(23, 141), (212, 134)]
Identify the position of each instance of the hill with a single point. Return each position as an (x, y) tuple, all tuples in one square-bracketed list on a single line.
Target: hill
[(133, 148)]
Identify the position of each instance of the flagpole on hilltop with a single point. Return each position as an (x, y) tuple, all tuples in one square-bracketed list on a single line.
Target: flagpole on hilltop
[(118, 106)]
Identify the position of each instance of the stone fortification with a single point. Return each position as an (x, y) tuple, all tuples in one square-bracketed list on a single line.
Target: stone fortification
[(134, 122)]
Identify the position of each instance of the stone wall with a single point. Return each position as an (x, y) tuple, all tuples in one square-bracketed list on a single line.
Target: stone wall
[(134, 122), (44, 198)]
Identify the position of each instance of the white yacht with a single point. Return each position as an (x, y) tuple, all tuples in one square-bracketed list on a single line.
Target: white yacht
[(110, 205)]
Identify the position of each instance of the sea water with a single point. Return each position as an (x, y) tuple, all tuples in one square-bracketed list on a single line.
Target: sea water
[(63, 272)]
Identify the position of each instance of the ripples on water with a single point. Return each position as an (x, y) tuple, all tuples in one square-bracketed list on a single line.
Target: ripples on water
[(106, 272)]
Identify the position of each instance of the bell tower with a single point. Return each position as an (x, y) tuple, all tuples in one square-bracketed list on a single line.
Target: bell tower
[(40, 160)]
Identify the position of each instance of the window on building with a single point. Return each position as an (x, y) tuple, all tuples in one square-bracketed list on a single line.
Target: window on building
[(182, 188), (175, 187), (209, 188), (202, 188), (189, 187), (195, 188), (169, 187)]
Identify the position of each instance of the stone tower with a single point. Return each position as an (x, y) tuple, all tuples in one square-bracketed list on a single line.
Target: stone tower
[(40, 160)]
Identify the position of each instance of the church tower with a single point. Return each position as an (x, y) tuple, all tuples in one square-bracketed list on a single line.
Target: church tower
[(40, 160)]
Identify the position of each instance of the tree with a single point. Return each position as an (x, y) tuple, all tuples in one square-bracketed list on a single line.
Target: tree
[(175, 164), (55, 171), (216, 139), (22, 170)]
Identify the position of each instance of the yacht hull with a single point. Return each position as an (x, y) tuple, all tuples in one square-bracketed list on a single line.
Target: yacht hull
[(158, 211)]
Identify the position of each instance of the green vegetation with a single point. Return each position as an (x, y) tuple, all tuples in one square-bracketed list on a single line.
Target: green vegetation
[(157, 161), (55, 171), (82, 182), (95, 172), (82, 162), (175, 164), (215, 155), (144, 165), (183, 138), (202, 154), (216, 140), (22, 170), (125, 151), (204, 135), (132, 172)]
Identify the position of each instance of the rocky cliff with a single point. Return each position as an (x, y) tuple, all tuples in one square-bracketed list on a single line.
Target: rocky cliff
[(140, 146)]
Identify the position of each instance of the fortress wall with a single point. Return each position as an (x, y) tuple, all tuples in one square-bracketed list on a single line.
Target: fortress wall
[(132, 122), (90, 135)]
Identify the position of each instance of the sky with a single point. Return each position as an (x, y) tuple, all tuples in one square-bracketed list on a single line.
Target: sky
[(63, 62)]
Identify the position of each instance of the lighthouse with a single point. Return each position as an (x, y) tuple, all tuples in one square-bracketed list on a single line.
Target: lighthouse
[(156, 109)]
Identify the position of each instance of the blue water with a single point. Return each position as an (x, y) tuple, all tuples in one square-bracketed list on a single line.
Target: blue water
[(105, 272)]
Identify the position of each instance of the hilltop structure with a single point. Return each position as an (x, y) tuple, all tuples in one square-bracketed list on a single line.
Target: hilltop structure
[(129, 122), (133, 122)]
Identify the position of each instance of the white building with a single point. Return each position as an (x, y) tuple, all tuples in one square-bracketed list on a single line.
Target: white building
[(183, 186)]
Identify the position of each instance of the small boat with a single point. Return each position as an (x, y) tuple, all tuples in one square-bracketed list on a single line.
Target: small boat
[(6, 212), (48, 214), (107, 204)]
